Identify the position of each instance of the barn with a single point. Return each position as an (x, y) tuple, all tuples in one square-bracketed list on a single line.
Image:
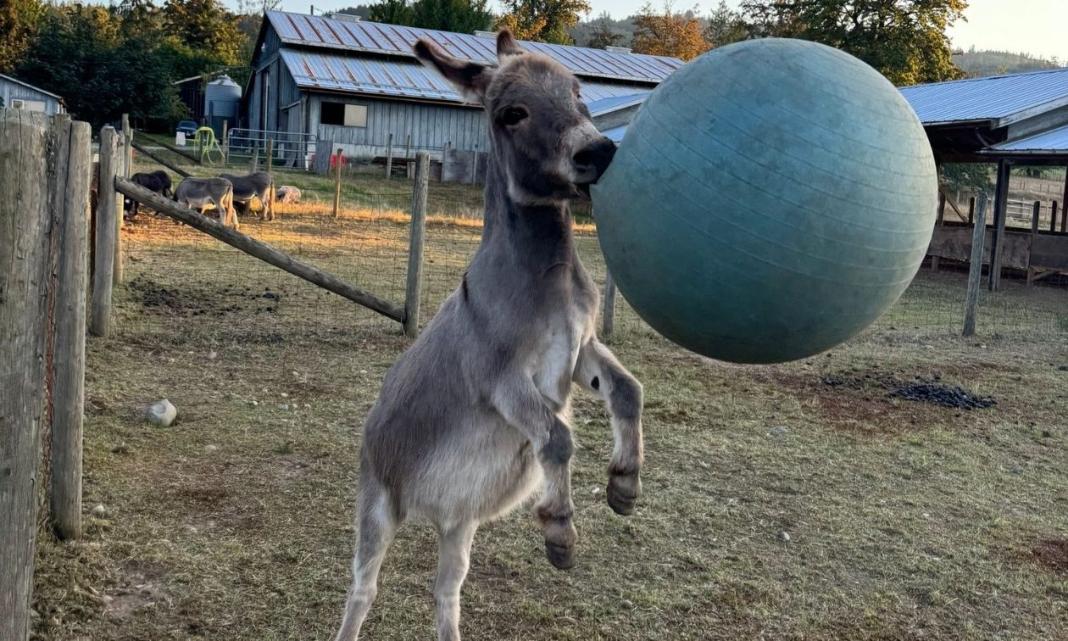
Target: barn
[(16, 94), (342, 82)]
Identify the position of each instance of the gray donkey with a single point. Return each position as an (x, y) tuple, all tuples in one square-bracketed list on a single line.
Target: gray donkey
[(473, 416)]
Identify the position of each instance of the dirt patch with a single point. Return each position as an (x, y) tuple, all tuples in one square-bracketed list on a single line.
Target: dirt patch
[(945, 395), (157, 298), (1052, 554), (140, 589)]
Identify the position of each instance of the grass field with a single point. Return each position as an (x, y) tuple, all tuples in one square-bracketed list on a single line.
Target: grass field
[(798, 501)]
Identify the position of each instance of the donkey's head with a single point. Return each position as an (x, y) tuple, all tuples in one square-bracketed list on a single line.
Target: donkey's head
[(542, 133)]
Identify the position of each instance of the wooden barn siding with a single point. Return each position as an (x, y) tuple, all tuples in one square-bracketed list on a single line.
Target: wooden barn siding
[(431, 126), (14, 91)]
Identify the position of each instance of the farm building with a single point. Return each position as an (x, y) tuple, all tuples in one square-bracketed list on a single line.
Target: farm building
[(16, 94), (353, 84), (1018, 120)]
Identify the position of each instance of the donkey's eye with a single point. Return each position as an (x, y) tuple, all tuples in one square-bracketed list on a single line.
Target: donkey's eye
[(512, 116)]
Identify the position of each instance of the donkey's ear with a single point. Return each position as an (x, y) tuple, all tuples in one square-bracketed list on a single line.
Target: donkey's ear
[(469, 78), (506, 44)]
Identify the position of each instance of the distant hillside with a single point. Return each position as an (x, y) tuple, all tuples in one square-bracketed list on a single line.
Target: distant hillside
[(978, 64)]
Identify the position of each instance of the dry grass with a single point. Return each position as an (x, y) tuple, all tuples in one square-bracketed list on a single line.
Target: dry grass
[(905, 520)]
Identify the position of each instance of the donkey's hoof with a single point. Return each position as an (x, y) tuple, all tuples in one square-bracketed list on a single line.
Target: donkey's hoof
[(561, 556), (623, 492)]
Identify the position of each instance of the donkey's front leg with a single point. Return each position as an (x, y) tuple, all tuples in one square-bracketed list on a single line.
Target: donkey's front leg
[(598, 371), (523, 407)]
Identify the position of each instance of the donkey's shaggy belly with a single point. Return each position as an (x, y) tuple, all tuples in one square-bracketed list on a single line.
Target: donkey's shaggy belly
[(478, 474)]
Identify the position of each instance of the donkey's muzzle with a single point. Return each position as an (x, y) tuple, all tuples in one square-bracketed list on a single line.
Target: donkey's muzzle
[(592, 160)]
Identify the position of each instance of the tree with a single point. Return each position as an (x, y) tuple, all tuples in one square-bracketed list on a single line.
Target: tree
[(725, 26), (18, 25), (391, 12), (461, 16), (543, 20), (206, 28), (603, 34), (904, 39), (669, 33)]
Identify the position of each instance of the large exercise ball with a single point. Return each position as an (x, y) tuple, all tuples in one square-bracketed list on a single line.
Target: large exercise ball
[(771, 199)]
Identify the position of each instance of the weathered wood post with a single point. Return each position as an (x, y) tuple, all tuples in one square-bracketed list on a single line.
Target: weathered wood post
[(70, 195), (270, 155), (408, 156), (127, 146), (608, 316), (24, 249), (389, 156), (337, 183), (1001, 200), (444, 160), (971, 210), (1036, 211), (938, 223), (1053, 217), (226, 142), (414, 286), (975, 267), (106, 231)]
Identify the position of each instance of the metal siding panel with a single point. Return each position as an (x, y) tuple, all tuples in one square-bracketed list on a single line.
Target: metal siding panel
[(987, 98)]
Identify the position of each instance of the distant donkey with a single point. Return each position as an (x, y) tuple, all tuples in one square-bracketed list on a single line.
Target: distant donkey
[(474, 415)]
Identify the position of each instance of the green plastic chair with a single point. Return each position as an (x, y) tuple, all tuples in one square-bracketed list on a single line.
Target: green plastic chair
[(207, 146)]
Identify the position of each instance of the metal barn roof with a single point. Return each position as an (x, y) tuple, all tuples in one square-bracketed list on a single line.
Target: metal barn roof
[(401, 79), (1054, 141), (1002, 100), (392, 40)]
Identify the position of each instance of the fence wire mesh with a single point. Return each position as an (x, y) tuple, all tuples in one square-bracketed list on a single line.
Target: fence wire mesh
[(182, 281)]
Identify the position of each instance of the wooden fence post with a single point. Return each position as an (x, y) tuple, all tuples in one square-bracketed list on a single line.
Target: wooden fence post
[(971, 210), (1036, 211), (1001, 199), (270, 155), (337, 183), (408, 153), (127, 146), (608, 317), (24, 248), (71, 198), (389, 156), (1053, 217), (935, 260), (444, 160), (106, 237), (226, 142), (414, 286), (975, 267)]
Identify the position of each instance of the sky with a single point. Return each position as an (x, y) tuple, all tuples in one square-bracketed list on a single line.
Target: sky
[(1038, 27)]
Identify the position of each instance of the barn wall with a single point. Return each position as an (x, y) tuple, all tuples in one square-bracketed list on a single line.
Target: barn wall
[(15, 91), (431, 125)]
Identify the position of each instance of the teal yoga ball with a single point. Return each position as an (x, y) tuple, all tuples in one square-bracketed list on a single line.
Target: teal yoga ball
[(770, 200)]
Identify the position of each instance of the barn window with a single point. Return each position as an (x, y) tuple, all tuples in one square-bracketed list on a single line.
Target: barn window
[(345, 115)]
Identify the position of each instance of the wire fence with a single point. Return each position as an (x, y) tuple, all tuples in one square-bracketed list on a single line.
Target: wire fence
[(179, 279)]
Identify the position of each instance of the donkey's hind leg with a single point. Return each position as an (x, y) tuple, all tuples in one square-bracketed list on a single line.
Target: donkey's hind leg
[(377, 525), (454, 553)]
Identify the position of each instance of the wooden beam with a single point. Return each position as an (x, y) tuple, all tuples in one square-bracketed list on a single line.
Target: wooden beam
[(260, 250), (176, 169), (1001, 201)]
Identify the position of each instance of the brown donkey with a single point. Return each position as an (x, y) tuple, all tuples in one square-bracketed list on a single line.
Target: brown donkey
[(472, 418)]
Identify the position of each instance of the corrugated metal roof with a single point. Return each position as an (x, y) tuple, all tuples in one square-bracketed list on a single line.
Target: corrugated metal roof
[(401, 79), (1054, 141), (1001, 99), (602, 106), (393, 40)]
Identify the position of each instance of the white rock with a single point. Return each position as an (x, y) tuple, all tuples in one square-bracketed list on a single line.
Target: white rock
[(212, 355), (253, 402), (211, 448), (285, 395), (161, 413), (784, 536), (99, 511)]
